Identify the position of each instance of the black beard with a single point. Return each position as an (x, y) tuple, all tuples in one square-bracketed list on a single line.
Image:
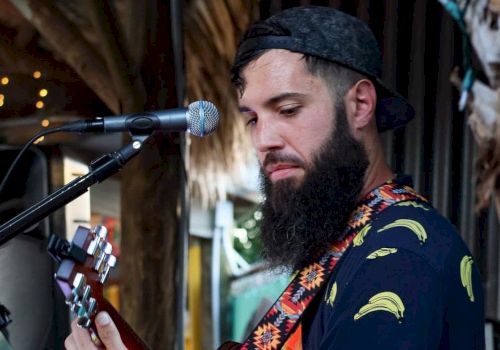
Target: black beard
[(300, 222)]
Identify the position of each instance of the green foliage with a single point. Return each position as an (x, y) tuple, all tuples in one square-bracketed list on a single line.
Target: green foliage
[(246, 235)]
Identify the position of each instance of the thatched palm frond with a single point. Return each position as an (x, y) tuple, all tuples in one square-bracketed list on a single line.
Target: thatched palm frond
[(212, 31)]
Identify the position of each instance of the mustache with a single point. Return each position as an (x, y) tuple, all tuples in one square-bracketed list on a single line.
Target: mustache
[(280, 157)]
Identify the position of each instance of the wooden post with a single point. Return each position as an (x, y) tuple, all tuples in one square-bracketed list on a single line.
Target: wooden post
[(150, 206)]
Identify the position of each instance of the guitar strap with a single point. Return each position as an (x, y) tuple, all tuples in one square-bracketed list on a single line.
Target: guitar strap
[(282, 319)]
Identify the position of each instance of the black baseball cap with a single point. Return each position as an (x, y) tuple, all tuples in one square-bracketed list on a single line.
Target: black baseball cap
[(336, 36)]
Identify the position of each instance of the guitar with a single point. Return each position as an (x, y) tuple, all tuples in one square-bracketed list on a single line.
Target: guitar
[(85, 264)]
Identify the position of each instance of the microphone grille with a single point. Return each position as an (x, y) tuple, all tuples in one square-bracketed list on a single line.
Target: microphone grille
[(203, 118)]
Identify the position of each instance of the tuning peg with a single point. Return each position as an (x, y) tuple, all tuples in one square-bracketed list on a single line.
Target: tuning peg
[(85, 295), (57, 247), (101, 231), (112, 261)]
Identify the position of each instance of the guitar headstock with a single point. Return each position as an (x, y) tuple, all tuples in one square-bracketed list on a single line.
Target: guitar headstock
[(85, 266)]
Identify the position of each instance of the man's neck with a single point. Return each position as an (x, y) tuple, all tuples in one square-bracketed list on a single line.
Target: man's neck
[(378, 172)]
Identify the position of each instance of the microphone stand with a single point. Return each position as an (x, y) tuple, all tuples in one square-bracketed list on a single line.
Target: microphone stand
[(100, 169)]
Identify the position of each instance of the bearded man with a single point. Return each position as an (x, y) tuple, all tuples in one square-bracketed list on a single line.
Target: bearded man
[(376, 266)]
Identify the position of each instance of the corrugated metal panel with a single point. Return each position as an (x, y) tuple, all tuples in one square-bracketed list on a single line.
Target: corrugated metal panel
[(421, 45), (466, 222), (443, 117), (491, 285), (416, 93), (390, 47)]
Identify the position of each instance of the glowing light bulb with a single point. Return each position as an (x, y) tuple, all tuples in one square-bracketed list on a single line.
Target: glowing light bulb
[(43, 92), (37, 74), (4, 80), (45, 123), (39, 104)]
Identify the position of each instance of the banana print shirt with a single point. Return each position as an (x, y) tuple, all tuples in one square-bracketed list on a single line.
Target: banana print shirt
[(407, 282)]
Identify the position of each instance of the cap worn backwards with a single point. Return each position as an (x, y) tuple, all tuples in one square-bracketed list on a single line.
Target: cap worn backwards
[(333, 35)]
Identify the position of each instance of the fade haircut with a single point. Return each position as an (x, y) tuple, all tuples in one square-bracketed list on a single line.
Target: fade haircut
[(339, 79)]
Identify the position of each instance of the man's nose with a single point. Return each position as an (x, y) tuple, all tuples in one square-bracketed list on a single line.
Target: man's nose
[(267, 137)]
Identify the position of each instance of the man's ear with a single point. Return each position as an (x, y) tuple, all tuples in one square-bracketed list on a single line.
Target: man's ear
[(361, 101)]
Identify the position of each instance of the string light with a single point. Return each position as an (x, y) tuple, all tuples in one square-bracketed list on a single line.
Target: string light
[(37, 74), (45, 123), (39, 104), (43, 92), (4, 80)]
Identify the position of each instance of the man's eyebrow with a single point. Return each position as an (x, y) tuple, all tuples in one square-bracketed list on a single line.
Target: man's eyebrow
[(275, 99), (245, 109)]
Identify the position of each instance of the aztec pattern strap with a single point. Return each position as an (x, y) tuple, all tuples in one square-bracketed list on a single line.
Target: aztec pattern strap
[(284, 316)]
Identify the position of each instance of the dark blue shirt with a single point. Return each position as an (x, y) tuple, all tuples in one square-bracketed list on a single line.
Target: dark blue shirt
[(407, 282)]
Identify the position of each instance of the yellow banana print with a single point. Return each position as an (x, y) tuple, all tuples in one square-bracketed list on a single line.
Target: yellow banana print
[(384, 301), (381, 252), (358, 240), (466, 275), (333, 294), (412, 225), (412, 204)]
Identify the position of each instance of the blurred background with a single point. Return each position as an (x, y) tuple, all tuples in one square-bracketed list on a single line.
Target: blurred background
[(183, 215)]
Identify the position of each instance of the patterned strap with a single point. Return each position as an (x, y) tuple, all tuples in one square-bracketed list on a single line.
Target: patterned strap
[(284, 316)]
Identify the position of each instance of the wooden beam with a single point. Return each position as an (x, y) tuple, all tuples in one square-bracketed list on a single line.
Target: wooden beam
[(134, 22), (69, 43), (15, 60), (129, 87), (150, 200)]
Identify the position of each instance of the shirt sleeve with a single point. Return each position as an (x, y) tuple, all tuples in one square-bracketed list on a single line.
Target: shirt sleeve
[(394, 301)]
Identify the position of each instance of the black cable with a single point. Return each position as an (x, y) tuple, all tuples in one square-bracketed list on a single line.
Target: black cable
[(23, 150)]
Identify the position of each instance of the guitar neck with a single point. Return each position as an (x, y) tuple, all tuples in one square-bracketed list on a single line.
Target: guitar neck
[(131, 340)]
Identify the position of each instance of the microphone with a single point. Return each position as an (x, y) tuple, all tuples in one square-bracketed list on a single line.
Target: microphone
[(199, 118)]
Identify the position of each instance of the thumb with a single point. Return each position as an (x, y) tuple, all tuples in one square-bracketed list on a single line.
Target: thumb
[(108, 332)]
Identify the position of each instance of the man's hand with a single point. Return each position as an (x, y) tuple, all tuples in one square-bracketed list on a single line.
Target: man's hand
[(79, 339)]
